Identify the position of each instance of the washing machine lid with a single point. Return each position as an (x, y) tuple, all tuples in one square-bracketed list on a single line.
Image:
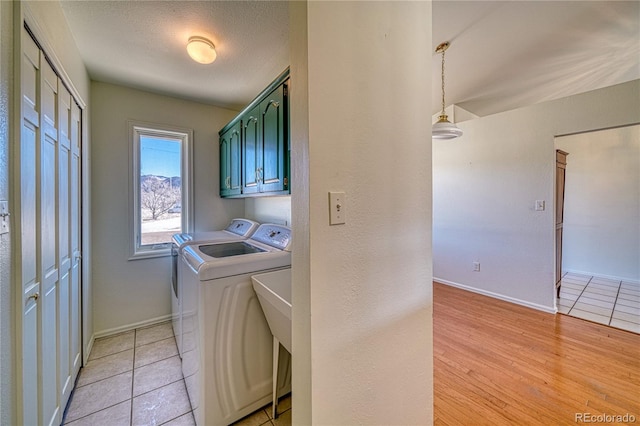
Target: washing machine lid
[(233, 260), (238, 229), (268, 248)]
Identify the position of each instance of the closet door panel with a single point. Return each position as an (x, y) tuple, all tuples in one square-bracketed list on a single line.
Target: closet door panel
[(74, 239), (48, 245), (30, 283), (64, 254)]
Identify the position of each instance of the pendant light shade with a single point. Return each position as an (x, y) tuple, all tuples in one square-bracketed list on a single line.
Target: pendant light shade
[(201, 50), (443, 128)]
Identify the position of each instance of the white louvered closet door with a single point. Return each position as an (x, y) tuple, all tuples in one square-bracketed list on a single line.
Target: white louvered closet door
[(50, 242)]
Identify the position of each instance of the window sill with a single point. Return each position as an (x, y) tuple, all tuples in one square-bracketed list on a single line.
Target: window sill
[(152, 253)]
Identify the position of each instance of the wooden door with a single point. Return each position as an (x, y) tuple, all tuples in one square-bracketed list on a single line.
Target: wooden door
[(230, 176), (75, 242), (561, 165), (251, 151), (224, 163), (235, 146), (48, 250), (29, 274), (48, 264), (273, 142)]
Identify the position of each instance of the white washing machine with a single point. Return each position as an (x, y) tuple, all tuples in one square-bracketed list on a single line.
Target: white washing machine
[(238, 229), (227, 360)]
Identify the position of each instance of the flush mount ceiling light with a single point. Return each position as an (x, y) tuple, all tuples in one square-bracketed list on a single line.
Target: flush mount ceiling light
[(443, 128), (201, 50)]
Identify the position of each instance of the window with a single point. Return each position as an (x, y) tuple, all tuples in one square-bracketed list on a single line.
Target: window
[(160, 187)]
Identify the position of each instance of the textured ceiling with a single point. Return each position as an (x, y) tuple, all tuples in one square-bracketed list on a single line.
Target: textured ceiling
[(508, 54), (503, 54), (142, 44)]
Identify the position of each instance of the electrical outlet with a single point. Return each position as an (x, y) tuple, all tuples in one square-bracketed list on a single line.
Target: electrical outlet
[(476, 266)]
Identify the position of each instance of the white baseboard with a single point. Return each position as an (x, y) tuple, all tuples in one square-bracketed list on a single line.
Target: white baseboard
[(129, 327), (498, 296), (87, 350), (609, 277)]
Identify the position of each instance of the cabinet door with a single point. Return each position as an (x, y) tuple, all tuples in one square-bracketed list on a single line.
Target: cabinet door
[(274, 142), (225, 154), (230, 142), (235, 143), (251, 152)]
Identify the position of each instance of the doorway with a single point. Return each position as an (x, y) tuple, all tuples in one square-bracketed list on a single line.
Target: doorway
[(601, 239)]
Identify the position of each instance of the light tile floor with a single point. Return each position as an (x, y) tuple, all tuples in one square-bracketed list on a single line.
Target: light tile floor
[(602, 300), (135, 378)]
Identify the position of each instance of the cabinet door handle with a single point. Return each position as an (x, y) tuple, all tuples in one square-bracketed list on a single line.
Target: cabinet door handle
[(227, 182)]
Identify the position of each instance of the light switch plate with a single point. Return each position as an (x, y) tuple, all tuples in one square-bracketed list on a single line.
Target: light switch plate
[(540, 205), (337, 208)]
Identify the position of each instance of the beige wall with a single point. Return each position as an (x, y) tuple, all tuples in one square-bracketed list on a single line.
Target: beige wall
[(362, 302), (486, 184), (127, 292)]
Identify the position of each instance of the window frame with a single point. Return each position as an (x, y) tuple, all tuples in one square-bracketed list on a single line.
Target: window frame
[(185, 135)]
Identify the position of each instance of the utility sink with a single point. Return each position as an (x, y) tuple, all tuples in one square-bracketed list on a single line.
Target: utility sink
[(274, 293)]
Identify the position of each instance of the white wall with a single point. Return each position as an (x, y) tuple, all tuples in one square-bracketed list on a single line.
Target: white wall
[(602, 203), (486, 184), (269, 209), (126, 292), (362, 292), (7, 389)]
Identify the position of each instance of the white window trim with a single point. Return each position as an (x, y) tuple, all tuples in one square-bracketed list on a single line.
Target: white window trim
[(136, 129)]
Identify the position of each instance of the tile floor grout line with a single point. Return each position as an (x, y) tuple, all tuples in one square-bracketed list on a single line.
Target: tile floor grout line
[(579, 296), (614, 304), (95, 412), (159, 387), (103, 379), (104, 356)]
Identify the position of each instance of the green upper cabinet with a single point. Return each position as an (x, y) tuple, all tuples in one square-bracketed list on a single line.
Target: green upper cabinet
[(230, 148), (272, 171), (264, 146), (251, 141)]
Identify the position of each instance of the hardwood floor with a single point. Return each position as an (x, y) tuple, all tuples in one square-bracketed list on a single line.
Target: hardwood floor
[(497, 363)]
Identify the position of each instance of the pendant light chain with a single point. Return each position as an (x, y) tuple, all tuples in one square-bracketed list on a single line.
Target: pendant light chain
[(443, 128), (443, 50)]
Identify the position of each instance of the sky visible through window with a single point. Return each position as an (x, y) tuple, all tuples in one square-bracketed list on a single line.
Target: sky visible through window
[(160, 194), (159, 156)]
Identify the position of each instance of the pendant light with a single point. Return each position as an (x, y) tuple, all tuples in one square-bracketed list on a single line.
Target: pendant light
[(443, 128)]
